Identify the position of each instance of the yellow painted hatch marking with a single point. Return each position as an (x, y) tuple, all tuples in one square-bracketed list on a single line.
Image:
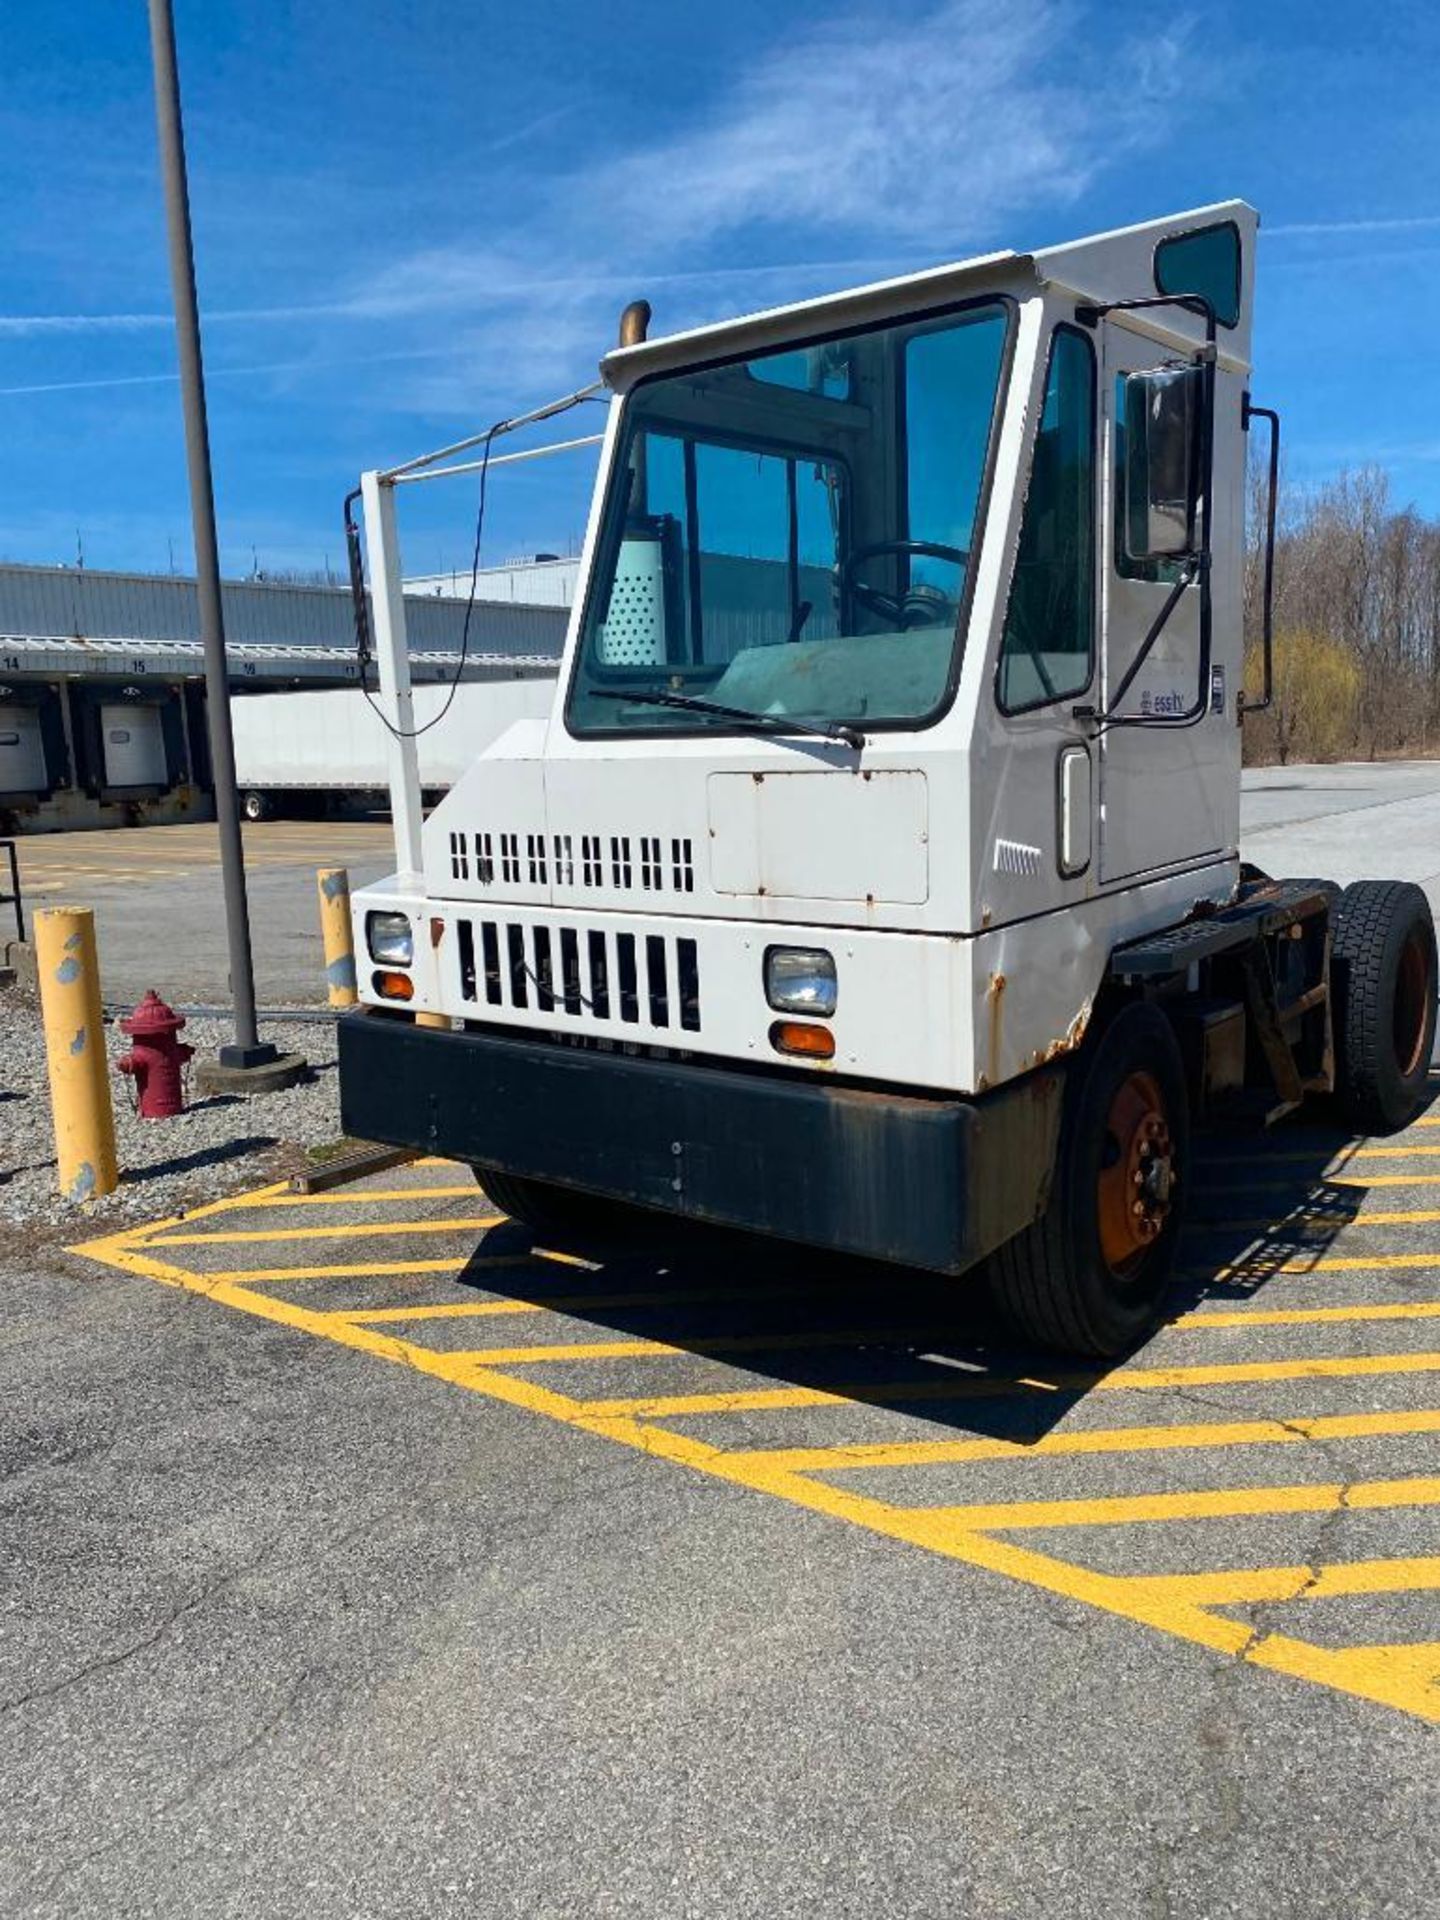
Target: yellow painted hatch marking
[(1245, 1267), (960, 1386), (1246, 1585), (1270, 1157), (1086, 1440), (1405, 1676), (1236, 1183), (1312, 1217), (456, 1223), (1210, 1504), (1307, 1316)]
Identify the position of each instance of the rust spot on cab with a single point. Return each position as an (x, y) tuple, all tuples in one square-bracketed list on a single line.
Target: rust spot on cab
[(437, 930), (995, 994)]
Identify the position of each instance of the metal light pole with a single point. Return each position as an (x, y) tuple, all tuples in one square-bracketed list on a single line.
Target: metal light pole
[(248, 1051)]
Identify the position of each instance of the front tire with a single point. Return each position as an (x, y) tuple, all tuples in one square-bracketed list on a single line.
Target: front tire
[(1091, 1275), (1383, 973), (554, 1213)]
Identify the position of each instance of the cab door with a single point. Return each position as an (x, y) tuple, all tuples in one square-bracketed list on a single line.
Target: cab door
[(1165, 790)]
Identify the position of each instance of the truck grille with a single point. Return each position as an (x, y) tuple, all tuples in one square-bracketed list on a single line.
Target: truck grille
[(643, 980), (659, 863)]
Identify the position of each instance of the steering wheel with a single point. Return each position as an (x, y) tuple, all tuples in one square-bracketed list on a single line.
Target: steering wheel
[(898, 609)]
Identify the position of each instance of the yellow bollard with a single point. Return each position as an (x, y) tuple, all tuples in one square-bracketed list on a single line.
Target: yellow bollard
[(75, 1052), (336, 930)]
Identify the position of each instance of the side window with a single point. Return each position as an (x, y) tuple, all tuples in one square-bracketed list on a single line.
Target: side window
[(950, 376), (1159, 572), (1205, 261), (1048, 645)]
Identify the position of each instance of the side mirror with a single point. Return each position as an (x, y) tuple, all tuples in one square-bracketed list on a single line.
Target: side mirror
[(1164, 435)]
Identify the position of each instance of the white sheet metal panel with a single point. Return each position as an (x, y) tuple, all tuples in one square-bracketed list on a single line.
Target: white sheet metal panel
[(22, 751), (860, 836), (134, 744)]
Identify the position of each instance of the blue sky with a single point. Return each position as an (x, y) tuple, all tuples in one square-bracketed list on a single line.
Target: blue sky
[(410, 220)]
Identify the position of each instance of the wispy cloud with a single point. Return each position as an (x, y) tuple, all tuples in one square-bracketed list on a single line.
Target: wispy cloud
[(925, 135), (311, 363), (935, 128), (1402, 223)]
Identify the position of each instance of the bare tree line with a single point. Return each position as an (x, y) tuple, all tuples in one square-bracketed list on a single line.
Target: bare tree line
[(1357, 624)]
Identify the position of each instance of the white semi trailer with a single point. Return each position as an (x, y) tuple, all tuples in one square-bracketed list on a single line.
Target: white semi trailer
[(873, 881), (300, 748)]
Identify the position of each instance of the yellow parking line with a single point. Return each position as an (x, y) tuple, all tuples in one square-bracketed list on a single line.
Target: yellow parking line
[(1307, 1217), (1341, 1180), (380, 1269), (1244, 1585), (721, 1343), (1205, 1504), (968, 1385), (1344, 1156), (1324, 1263), (357, 1270), (1308, 1316), (569, 1303), (451, 1310), (1397, 1663), (1095, 1440), (349, 1197), (458, 1223)]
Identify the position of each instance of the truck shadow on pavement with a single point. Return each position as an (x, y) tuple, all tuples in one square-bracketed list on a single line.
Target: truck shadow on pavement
[(1262, 1207)]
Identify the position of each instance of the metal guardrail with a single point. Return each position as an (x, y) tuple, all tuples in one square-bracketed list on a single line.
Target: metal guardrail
[(12, 898)]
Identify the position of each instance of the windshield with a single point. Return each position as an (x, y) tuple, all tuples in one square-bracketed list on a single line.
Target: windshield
[(791, 535)]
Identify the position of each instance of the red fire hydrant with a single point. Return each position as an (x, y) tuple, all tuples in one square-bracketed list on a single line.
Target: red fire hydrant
[(156, 1059)]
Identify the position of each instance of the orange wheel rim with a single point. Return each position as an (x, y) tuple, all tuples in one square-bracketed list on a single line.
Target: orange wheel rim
[(1412, 1004), (1137, 1174)]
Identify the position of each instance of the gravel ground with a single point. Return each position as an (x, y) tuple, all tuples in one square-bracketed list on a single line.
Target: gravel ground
[(219, 1145)]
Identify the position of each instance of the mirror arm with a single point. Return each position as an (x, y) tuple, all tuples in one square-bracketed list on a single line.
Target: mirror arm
[(1184, 578), (1248, 412)]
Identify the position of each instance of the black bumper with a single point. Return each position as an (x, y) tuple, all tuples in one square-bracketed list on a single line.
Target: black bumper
[(935, 1183)]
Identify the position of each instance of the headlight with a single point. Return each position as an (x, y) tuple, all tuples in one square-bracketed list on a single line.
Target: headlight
[(390, 938), (800, 979)]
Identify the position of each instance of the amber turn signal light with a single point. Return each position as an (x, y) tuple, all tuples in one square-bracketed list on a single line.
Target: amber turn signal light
[(393, 986), (796, 1036)]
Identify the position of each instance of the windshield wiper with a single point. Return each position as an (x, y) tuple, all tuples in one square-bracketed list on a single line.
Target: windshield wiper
[(762, 722)]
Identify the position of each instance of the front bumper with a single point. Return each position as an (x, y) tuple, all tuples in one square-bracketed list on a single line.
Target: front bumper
[(928, 1182)]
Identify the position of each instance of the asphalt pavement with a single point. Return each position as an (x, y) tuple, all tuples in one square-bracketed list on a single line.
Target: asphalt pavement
[(358, 1557)]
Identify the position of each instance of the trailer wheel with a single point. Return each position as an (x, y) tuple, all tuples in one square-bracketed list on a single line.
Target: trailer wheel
[(557, 1213), (256, 806), (1091, 1275), (1383, 970)]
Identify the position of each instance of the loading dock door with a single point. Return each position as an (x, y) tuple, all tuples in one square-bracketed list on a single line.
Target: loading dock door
[(134, 743), (22, 751)]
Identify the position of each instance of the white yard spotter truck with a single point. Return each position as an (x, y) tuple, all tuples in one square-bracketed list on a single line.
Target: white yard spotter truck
[(874, 881)]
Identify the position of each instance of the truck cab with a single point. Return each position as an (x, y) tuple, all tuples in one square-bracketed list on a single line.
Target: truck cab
[(901, 708)]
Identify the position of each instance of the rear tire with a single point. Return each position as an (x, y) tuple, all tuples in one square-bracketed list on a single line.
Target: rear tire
[(257, 806), (556, 1213), (1091, 1275), (1383, 973)]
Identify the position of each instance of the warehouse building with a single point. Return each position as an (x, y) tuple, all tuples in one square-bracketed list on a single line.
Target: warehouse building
[(102, 696)]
